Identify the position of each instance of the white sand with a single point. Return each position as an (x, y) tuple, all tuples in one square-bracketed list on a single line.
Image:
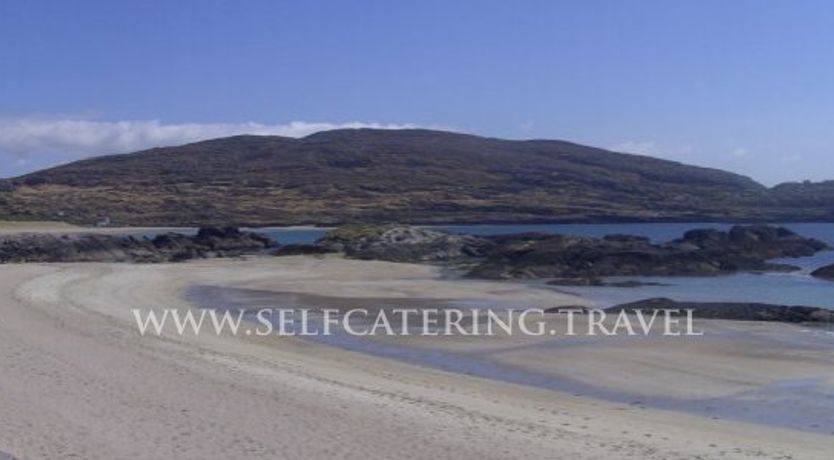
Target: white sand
[(76, 379)]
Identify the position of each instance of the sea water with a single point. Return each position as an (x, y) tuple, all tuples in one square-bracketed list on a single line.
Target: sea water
[(795, 288)]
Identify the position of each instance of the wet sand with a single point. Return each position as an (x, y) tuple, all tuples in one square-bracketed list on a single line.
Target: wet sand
[(721, 370), (79, 380)]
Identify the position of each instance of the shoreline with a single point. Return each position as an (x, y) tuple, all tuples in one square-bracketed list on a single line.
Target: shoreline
[(72, 322), (770, 408), (780, 288)]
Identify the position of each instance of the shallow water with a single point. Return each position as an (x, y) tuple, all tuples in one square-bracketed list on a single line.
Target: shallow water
[(774, 288), (657, 232), (797, 288), (803, 404)]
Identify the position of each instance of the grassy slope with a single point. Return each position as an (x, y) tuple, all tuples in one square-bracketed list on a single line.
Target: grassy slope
[(414, 176)]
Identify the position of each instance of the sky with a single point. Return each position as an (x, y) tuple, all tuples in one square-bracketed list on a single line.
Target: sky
[(742, 85)]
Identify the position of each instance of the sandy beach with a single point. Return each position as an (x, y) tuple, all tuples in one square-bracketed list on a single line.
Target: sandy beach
[(79, 381), (18, 227), (366, 230)]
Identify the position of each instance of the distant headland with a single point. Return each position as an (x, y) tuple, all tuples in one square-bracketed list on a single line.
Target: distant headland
[(409, 176)]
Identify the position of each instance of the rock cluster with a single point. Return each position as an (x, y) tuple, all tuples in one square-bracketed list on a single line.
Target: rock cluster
[(826, 273), (734, 310), (571, 259), (700, 252), (404, 244), (303, 249), (168, 247)]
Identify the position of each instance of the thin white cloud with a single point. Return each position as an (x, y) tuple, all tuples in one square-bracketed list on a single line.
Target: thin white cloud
[(739, 152), (637, 147), (527, 126), (25, 139)]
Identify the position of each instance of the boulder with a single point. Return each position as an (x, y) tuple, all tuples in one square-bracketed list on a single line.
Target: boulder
[(404, 244), (826, 273)]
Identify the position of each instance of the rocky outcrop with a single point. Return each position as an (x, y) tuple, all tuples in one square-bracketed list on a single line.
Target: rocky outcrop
[(701, 252), (577, 260), (404, 244), (826, 273), (734, 310), (168, 247), (599, 282)]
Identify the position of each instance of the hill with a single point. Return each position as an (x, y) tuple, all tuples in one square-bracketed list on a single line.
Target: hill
[(413, 176)]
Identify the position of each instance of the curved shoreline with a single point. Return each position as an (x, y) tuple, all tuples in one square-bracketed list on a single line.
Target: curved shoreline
[(79, 380), (771, 407)]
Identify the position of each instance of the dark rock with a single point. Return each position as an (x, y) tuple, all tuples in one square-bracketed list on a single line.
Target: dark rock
[(826, 273), (762, 241), (581, 281), (626, 238), (303, 250), (577, 260), (509, 238), (579, 308), (632, 284), (231, 240), (734, 310), (404, 244), (700, 252), (168, 247), (600, 282)]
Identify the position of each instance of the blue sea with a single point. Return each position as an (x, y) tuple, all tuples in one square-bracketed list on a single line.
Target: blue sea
[(797, 288), (802, 403)]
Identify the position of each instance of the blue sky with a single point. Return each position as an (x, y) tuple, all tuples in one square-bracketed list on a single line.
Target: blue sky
[(741, 85)]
